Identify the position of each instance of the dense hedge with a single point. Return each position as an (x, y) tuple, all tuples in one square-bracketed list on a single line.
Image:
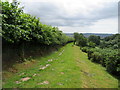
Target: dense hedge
[(23, 35), (107, 57), (107, 53), (19, 27)]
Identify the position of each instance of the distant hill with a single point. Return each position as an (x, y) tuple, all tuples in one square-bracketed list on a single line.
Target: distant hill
[(88, 34)]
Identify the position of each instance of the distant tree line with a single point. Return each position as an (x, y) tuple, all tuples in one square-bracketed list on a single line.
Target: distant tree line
[(82, 41)]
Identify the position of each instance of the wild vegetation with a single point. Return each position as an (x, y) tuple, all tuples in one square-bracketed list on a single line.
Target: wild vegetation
[(20, 30), (104, 51)]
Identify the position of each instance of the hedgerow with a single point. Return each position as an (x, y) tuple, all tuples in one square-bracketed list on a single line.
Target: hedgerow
[(107, 53), (19, 27), (21, 30), (106, 57)]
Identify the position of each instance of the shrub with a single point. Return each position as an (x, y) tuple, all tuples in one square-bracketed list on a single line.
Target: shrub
[(89, 52), (112, 63), (80, 39), (96, 57), (107, 53), (84, 49), (91, 44), (95, 39), (108, 58)]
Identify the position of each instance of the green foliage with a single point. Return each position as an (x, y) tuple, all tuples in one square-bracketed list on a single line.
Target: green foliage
[(85, 49), (107, 57), (19, 27), (107, 53), (91, 44), (94, 39), (111, 41), (111, 37), (76, 37), (80, 39), (96, 57), (103, 44)]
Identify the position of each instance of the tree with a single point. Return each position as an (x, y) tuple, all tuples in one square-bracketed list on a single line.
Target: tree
[(76, 37), (82, 40), (94, 39), (91, 44)]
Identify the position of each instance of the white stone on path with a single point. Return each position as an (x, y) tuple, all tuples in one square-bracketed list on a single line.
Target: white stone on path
[(44, 82), (25, 79)]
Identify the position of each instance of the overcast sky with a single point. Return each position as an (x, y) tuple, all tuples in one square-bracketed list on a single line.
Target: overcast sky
[(85, 16)]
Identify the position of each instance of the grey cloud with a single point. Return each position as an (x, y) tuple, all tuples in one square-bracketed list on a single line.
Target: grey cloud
[(108, 11), (51, 14)]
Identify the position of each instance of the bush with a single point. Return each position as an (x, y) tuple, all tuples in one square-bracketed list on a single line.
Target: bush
[(96, 57), (91, 44), (89, 52), (80, 39), (112, 63), (108, 58), (84, 49), (95, 39), (107, 53)]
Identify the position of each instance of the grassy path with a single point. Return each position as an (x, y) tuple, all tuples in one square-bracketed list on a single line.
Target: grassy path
[(66, 68)]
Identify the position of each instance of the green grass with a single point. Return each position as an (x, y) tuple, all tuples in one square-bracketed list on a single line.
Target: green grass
[(71, 69)]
